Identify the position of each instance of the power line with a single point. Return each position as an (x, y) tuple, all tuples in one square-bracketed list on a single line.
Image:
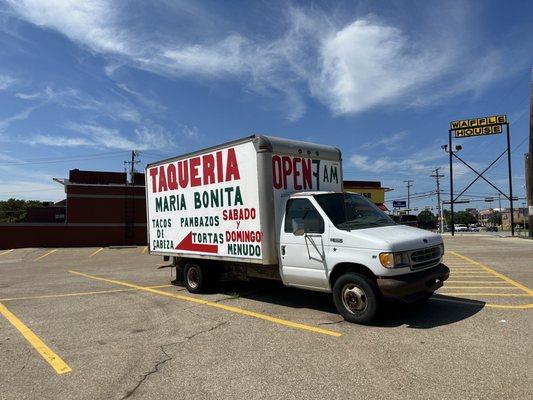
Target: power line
[(32, 191), (64, 159)]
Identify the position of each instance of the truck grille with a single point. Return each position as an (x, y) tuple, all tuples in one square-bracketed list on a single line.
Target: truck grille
[(425, 257)]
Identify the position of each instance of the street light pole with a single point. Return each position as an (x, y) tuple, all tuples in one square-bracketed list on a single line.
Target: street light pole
[(436, 175), (529, 163), (452, 222)]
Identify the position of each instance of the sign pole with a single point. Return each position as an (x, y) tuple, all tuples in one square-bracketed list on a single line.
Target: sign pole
[(451, 181), (529, 163), (510, 178)]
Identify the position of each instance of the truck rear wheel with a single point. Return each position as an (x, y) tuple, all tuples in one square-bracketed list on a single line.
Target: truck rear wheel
[(199, 278), (194, 278), (356, 298)]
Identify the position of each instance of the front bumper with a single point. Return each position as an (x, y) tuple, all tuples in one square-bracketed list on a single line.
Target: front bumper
[(411, 287)]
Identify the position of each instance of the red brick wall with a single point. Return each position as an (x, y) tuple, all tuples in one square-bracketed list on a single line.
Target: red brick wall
[(67, 235), (96, 215)]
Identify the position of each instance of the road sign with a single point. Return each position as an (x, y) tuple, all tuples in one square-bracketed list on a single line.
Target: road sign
[(399, 204), (478, 126)]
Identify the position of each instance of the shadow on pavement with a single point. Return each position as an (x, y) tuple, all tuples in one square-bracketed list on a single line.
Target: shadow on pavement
[(439, 310)]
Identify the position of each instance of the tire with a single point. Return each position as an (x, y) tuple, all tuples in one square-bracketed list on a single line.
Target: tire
[(356, 298), (199, 278), (194, 278)]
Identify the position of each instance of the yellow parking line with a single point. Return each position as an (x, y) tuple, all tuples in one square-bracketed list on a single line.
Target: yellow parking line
[(471, 272), (481, 287), (475, 281), (52, 358), (53, 296), (495, 273), (6, 252), (236, 310), (512, 306), (477, 303), (45, 255), (145, 249), (485, 294), (96, 252)]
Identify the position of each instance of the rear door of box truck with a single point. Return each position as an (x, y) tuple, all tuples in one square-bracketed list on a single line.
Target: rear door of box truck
[(206, 204)]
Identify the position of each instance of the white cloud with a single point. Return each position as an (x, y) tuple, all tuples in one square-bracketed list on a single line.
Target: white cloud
[(351, 67), (20, 116), (89, 22), (367, 63), (6, 81), (190, 132), (222, 57), (29, 96), (386, 164), (146, 137), (420, 161), (59, 141), (390, 142)]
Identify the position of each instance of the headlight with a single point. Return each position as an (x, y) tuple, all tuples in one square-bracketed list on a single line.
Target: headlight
[(395, 260), (441, 249)]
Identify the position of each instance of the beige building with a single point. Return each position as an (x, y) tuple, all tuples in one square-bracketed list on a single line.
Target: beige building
[(485, 216), (520, 214)]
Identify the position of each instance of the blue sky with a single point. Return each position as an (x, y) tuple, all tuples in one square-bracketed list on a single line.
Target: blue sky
[(82, 83)]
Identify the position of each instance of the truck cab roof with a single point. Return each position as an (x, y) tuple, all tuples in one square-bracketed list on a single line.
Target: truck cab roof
[(308, 193)]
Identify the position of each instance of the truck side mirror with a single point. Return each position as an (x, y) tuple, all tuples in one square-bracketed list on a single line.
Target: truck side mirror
[(298, 226)]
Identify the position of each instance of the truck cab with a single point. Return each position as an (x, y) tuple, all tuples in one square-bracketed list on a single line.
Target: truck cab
[(344, 244)]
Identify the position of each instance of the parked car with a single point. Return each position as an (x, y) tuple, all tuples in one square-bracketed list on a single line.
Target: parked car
[(409, 220), (473, 228), (492, 229), (461, 228)]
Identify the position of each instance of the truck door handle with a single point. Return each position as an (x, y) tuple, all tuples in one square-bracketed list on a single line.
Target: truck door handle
[(336, 240), (283, 250)]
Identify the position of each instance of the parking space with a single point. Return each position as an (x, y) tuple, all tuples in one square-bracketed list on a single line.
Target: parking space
[(108, 323)]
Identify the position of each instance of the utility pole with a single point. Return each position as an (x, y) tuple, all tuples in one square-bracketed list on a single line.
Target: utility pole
[(499, 202), (409, 184), (529, 163), (129, 199), (436, 175), (134, 155), (524, 215)]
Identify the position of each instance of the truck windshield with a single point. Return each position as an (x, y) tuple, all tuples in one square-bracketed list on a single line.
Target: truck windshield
[(351, 211)]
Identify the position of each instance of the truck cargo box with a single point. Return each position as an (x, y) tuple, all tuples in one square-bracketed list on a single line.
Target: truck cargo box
[(223, 202)]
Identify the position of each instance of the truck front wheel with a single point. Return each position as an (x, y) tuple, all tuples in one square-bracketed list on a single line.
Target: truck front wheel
[(356, 298)]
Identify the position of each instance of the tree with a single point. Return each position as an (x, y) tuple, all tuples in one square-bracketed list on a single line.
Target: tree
[(464, 217), (13, 210), (427, 220), (459, 217)]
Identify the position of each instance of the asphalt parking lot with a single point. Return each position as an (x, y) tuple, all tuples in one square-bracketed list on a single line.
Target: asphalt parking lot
[(93, 323)]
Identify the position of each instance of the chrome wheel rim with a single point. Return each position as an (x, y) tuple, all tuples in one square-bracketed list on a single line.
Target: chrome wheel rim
[(354, 298), (193, 277)]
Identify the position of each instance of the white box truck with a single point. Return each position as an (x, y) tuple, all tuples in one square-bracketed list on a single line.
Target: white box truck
[(266, 207)]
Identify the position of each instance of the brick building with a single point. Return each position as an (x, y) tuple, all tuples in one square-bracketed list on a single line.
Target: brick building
[(102, 209)]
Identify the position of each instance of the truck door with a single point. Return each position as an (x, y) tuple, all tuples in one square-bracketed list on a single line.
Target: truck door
[(303, 240)]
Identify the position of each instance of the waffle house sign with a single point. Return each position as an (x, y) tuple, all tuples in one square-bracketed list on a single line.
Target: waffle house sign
[(491, 125)]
